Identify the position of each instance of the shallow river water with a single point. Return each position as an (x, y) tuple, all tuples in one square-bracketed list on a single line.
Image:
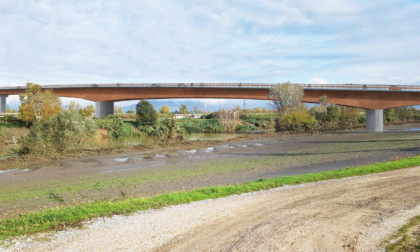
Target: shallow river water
[(109, 142)]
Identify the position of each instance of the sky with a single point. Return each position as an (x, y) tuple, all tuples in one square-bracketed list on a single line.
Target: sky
[(270, 41)]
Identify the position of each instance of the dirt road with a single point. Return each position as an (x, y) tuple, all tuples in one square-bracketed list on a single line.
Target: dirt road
[(353, 214)]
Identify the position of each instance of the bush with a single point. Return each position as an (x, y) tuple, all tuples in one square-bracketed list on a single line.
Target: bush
[(329, 114), (65, 131), (361, 119), (116, 127), (201, 126), (171, 126), (152, 131), (147, 115), (349, 117), (295, 121), (263, 122), (246, 128), (11, 121)]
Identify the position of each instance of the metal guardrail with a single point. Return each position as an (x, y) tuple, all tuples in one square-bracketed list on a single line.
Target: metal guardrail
[(9, 114), (373, 87)]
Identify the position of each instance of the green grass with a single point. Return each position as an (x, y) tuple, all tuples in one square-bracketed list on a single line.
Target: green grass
[(58, 218), (406, 243)]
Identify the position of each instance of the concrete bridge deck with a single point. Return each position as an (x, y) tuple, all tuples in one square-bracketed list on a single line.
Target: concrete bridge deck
[(374, 98)]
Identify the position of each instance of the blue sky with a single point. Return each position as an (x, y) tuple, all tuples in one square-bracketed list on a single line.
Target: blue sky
[(324, 41)]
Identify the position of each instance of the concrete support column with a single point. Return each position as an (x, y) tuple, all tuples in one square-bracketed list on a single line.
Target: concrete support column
[(374, 120), (3, 103), (103, 109)]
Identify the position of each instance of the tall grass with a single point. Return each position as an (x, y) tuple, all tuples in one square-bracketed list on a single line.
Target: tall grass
[(69, 216)]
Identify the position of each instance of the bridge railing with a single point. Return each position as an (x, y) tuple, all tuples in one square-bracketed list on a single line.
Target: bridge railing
[(381, 87)]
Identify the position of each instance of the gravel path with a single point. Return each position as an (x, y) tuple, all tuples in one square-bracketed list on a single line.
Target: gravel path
[(340, 215)]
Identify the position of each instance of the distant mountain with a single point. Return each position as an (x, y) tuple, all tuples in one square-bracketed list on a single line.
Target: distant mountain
[(210, 106)]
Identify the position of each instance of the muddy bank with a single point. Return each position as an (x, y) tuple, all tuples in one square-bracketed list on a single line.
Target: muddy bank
[(21, 162)]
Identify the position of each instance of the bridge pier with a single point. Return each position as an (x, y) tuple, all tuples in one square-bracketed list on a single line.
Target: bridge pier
[(3, 103), (103, 109), (374, 120)]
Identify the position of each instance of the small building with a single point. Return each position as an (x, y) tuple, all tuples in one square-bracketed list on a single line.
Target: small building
[(183, 116)]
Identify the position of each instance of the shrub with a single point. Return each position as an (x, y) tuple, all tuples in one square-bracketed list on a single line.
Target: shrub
[(296, 121), (328, 114), (116, 127), (147, 115), (65, 131), (263, 122), (349, 117), (361, 119), (201, 126), (171, 127), (246, 128)]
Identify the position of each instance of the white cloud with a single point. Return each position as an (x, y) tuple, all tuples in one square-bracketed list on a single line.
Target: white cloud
[(343, 41), (316, 80)]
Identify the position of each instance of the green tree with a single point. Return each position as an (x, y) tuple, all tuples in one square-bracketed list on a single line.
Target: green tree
[(146, 113), (36, 105), (183, 109), (286, 98), (165, 110)]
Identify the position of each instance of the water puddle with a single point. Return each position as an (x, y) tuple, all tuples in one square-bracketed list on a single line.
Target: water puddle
[(160, 155), (14, 170), (402, 130), (191, 151), (210, 149), (258, 144), (122, 159), (210, 136), (1, 172), (244, 145)]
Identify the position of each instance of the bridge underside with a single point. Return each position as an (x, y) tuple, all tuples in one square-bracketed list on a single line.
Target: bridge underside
[(352, 98), (372, 100)]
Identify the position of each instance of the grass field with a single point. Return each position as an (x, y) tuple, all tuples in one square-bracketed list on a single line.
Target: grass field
[(58, 218)]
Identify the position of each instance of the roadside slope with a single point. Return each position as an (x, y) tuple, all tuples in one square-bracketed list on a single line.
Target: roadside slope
[(353, 213)]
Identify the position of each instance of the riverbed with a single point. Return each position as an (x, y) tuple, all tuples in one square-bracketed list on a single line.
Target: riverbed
[(187, 166)]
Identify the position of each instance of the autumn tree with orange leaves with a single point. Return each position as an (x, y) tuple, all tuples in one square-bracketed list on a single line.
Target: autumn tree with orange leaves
[(37, 105)]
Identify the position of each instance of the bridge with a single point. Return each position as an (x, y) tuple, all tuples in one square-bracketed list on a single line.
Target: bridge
[(373, 98)]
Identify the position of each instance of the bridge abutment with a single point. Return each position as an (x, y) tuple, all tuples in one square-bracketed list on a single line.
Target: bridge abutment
[(374, 120), (3, 103), (103, 109)]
